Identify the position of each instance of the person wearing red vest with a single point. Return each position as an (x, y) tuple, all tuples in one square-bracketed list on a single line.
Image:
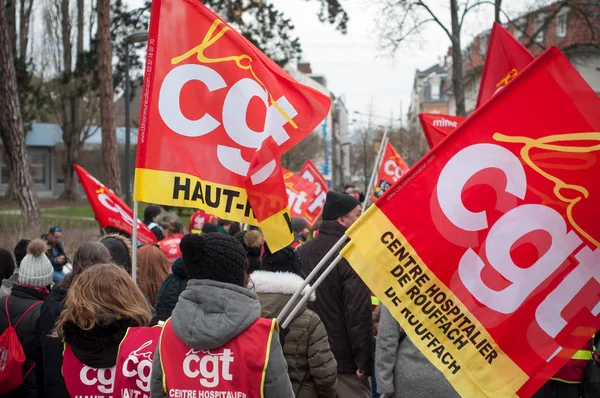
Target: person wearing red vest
[(215, 343), (198, 219), (108, 350), (170, 244)]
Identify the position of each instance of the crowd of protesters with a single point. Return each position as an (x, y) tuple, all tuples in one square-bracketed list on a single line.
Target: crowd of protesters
[(198, 318)]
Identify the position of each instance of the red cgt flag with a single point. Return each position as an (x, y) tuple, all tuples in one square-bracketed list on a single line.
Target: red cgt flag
[(494, 273), (211, 100), (301, 193), (110, 211), (311, 173), (391, 169), (505, 58), (437, 126)]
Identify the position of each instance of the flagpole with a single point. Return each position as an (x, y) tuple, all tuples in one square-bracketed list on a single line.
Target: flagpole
[(310, 276), (375, 169), (310, 291), (134, 241)]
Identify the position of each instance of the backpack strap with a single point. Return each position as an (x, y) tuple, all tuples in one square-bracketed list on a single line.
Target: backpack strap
[(25, 313)]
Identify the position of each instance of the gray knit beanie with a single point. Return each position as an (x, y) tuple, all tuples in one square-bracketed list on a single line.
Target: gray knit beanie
[(36, 269)]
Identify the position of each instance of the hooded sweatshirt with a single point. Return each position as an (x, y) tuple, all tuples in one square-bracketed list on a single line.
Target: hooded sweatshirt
[(208, 315)]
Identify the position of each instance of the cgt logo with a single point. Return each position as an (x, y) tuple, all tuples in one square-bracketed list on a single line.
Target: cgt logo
[(102, 379), (208, 366), (391, 168), (139, 364), (234, 112), (513, 226)]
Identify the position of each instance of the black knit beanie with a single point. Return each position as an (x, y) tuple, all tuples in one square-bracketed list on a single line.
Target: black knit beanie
[(338, 204), (217, 257), (21, 250), (284, 260)]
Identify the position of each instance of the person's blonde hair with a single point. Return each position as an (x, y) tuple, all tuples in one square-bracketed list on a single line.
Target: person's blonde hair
[(101, 295), (152, 269)]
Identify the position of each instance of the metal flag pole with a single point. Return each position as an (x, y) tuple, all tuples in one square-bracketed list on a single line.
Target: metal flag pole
[(310, 291), (310, 277), (375, 169), (134, 241)]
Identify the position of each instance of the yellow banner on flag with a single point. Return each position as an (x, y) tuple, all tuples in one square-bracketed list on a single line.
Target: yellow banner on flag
[(434, 319)]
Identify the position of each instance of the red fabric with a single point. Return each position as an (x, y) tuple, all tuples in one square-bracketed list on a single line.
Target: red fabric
[(109, 209), (311, 173), (134, 362), (301, 193), (505, 58), (12, 356), (215, 98), (82, 380), (463, 209), (237, 367), (170, 247), (574, 370), (437, 127), (198, 219), (391, 169)]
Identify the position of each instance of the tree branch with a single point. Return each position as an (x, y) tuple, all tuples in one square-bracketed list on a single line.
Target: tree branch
[(435, 18), (469, 8)]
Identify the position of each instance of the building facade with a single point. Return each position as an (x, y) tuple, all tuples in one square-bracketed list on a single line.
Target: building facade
[(572, 26), (427, 95)]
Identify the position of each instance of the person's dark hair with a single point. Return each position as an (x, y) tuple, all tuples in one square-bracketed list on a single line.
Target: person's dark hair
[(150, 212), (54, 229), (209, 228), (222, 222), (20, 250), (235, 228), (120, 250), (349, 186), (175, 227), (88, 254), (7, 264)]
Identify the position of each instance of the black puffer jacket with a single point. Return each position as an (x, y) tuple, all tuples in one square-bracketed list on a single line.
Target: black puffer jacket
[(19, 301), (169, 291), (343, 304), (50, 312), (96, 348)]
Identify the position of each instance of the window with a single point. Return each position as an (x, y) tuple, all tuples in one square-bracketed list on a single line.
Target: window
[(37, 165), (540, 19), (520, 26), (562, 22)]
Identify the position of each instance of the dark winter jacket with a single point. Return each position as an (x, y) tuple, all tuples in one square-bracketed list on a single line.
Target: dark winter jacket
[(56, 250), (50, 311), (169, 291), (343, 303), (19, 301), (156, 230), (311, 365), (96, 348)]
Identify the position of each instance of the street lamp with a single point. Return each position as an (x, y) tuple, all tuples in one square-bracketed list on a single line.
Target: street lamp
[(135, 37)]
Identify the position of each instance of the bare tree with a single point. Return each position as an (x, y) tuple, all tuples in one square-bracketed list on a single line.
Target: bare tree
[(73, 95), (403, 19), (307, 148), (12, 131), (109, 136)]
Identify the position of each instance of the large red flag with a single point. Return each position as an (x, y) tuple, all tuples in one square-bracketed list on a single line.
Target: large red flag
[(311, 173), (505, 58), (301, 193), (109, 209), (211, 100), (437, 126), (493, 271), (391, 169)]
